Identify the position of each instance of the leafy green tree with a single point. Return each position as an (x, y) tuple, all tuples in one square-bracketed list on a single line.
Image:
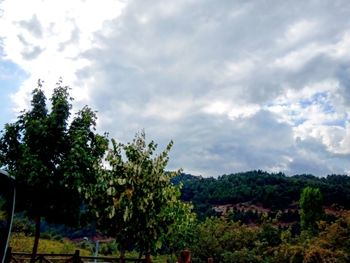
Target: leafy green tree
[(221, 240), (135, 200), (311, 208), (54, 162), (182, 232), (269, 234)]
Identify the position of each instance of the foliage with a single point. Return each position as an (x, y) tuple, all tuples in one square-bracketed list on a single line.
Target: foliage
[(181, 233), (228, 241), (311, 208), (51, 159), (269, 235), (336, 236), (219, 238), (21, 224), (245, 217), (54, 162), (330, 245), (110, 248), (272, 191), (135, 201)]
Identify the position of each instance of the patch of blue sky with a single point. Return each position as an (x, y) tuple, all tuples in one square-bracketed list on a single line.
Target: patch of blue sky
[(337, 122), (321, 99), (317, 98), (11, 77), (296, 118), (328, 108), (299, 121), (281, 104), (304, 103)]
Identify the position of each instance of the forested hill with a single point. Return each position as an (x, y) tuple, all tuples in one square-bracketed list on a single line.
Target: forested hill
[(274, 191)]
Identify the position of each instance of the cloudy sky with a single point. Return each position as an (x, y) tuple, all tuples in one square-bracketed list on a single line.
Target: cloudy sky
[(238, 85)]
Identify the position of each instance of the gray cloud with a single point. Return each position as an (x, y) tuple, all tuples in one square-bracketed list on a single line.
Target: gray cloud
[(74, 38), (32, 52), (161, 64), (313, 158), (33, 26), (29, 51)]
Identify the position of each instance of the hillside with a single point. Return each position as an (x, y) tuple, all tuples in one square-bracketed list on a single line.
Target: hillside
[(262, 190)]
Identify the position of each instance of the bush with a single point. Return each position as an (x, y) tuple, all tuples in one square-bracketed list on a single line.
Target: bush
[(21, 224), (110, 248), (217, 238)]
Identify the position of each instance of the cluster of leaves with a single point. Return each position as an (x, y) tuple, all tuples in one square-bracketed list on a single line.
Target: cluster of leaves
[(135, 200), (221, 239), (228, 241), (311, 201), (273, 191)]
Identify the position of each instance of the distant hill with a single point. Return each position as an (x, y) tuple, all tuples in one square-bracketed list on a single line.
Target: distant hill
[(183, 178), (274, 191)]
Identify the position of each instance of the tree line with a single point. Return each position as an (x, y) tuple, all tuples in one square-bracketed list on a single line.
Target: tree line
[(274, 191)]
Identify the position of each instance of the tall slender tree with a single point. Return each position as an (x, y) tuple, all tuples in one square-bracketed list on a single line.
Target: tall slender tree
[(311, 202), (54, 161)]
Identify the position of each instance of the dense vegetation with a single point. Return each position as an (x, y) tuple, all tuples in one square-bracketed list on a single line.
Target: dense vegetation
[(270, 217), (228, 241), (273, 191)]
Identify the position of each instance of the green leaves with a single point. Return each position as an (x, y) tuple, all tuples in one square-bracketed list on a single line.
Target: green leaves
[(121, 181), (311, 208), (145, 204), (53, 161)]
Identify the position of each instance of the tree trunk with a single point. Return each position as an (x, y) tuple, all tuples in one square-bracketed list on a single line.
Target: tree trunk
[(36, 238), (122, 255), (148, 258), (140, 255)]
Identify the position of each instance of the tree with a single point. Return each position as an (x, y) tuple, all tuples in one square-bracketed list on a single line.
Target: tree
[(135, 200), (182, 232), (226, 241), (53, 161), (311, 208)]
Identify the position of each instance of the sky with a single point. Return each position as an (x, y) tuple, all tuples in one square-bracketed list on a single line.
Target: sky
[(237, 85)]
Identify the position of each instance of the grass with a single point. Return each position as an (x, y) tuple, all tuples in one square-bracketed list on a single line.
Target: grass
[(22, 243), (155, 259)]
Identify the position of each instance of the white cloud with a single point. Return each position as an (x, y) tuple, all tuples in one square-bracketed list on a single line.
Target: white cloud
[(218, 107), (47, 38), (296, 59), (314, 112), (240, 69), (340, 49), (299, 31), (231, 111)]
